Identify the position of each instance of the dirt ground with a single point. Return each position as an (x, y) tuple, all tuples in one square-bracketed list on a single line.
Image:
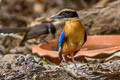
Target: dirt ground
[(26, 67), (18, 63)]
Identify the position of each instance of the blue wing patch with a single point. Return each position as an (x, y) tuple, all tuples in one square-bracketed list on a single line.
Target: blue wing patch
[(61, 38)]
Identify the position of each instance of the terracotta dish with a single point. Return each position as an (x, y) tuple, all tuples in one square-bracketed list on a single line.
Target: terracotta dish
[(97, 47)]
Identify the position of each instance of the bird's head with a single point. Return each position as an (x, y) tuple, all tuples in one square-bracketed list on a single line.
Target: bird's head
[(65, 13)]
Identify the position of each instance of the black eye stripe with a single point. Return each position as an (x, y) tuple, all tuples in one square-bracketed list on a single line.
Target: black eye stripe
[(69, 14)]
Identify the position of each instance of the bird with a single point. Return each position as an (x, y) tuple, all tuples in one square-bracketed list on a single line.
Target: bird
[(36, 28), (73, 35)]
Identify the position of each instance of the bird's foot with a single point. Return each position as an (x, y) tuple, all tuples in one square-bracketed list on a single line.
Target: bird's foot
[(62, 63), (63, 60), (73, 60)]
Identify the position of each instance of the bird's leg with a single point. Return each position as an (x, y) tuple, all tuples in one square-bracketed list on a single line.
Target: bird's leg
[(62, 60), (73, 60), (61, 56), (42, 39)]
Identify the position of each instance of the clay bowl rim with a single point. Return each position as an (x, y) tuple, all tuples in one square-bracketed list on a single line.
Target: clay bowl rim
[(44, 52)]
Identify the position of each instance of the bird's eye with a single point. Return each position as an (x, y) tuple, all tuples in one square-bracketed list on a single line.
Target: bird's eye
[(62, 14)]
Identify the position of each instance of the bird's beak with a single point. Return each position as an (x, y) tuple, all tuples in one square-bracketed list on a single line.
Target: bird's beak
[(56, 16)]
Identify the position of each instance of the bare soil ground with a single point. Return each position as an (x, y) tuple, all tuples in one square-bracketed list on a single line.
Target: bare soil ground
[(26, 67)]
